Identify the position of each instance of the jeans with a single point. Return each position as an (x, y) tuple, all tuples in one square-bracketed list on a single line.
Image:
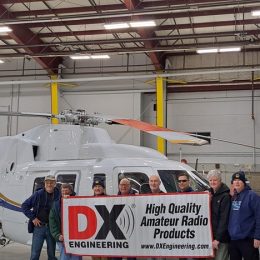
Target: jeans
[(39, 235), (222, 252), (64, 256)]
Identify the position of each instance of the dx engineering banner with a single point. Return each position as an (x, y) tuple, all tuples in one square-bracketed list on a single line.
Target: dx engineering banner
[(172, 225)]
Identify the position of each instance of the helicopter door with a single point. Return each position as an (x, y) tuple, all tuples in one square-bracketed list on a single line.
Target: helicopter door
[(138, 176)]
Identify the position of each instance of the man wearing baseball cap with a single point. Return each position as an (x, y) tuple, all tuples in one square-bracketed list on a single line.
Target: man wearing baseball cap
[(244, 220), (37, 208), (99, 187)]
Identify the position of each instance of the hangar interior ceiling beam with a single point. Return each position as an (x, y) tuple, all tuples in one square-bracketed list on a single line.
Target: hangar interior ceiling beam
[(148, 35), (47, 31), (24, 36)]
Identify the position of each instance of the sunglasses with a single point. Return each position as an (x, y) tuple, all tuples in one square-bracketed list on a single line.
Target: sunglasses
[(179, 181)]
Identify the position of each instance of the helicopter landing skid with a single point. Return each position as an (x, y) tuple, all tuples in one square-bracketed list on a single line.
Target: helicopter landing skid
[(3, 240)]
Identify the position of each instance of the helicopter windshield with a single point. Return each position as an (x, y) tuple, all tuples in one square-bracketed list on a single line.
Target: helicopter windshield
[(169, 180)]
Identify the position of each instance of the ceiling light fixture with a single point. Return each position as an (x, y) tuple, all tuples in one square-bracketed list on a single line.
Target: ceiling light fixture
[(5, 29), (80, 57), (255, 13), (1, 61), (112, 26), (211, 50), (216, 50), (101, 56), (230, 49), (142, 24), (87, 57)]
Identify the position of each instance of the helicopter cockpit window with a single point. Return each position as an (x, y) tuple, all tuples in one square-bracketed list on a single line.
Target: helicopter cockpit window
[(66, 178), (200, 176), (137, 179), (169, 180)]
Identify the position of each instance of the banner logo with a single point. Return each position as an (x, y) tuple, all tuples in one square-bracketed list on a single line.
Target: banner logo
[(110, 222)]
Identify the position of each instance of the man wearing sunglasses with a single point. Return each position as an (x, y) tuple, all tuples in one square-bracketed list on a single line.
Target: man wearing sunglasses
[(184, 182)]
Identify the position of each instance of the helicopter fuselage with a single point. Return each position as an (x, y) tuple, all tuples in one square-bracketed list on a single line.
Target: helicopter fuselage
[(76, 155)]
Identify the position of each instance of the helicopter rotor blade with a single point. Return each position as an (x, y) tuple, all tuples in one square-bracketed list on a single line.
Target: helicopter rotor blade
[(168, 134), (82, 118), (26, 114)]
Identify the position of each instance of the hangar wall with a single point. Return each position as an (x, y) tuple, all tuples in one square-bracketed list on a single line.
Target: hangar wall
[(36, 98), (226, 115), (119, 104)]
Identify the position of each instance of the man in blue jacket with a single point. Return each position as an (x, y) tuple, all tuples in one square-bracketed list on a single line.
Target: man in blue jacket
[(244, 220), (37, 208)]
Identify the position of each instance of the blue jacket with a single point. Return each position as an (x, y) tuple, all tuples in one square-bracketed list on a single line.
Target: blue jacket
[(244, 218), (37, 200)]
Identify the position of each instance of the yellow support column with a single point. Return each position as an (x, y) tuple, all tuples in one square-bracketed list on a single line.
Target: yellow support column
[(160, 111), (54, 99)]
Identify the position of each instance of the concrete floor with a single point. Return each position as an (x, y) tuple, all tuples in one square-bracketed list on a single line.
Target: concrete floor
[(15, 251)]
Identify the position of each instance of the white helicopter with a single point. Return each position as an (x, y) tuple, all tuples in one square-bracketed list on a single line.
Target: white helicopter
[(77, 152)]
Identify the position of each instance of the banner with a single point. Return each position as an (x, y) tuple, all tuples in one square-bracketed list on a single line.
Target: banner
[(165, 225)]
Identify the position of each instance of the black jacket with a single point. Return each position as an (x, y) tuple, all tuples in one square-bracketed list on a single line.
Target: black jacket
[(220, 208)]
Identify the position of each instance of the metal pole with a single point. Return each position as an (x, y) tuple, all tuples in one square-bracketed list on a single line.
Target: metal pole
[(54, 99), (160, 108)]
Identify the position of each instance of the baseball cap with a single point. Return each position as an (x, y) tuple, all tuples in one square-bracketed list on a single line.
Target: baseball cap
[(49, 178)]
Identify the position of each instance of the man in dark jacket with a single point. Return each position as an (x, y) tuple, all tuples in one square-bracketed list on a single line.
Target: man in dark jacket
[(99, 187), (220, 208), (55, 222), (37, 208), (124, 187), (244, 220)]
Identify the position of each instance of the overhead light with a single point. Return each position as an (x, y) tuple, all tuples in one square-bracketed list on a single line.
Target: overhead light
[(210, 50), (87, 57), (101, 56), (216, 50), (112, 26), (230, 49), (80, 57), (142, 23), (255, 13), (1, 61), (4, 29)]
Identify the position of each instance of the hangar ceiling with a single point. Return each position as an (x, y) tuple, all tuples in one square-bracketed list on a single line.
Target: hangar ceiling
[(47, 29)]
